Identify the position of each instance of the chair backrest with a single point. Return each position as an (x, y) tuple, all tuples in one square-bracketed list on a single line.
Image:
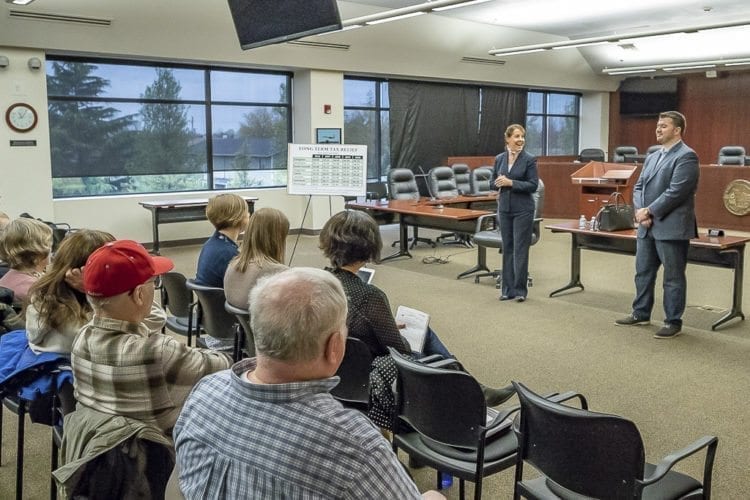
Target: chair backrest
[(653, 149), (480, 180), (243, 317), (214, 318), (444, 405), (592, 454), (462, 173), (621, 151), (402, 185), (354, 373), (591, 154), (176, 297), (731, 155), (442, 182)]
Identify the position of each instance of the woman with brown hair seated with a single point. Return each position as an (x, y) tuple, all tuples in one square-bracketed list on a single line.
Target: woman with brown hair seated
[(350, 239)]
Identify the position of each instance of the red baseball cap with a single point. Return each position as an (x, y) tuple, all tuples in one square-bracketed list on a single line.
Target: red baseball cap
[(120, 266)]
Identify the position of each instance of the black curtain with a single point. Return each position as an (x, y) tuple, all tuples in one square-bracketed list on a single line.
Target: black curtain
[(429, 121), (500, 108)]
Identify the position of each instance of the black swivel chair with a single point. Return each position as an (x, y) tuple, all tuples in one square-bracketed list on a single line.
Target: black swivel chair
[(731, 155), (583, 454), (212, 316), (353, 390), (653, 149), (591, 154), (462, 174), (622, 151), (402, 185), (64, 402), (481, 178), (488, 236), (443, 184), (442, 422)]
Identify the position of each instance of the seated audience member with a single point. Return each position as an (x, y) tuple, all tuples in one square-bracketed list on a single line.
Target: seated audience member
[(25, 245), (229, 214), (57, 306), (275, 431), (4, 221), (350, 239), (121, 368), (262, 254)]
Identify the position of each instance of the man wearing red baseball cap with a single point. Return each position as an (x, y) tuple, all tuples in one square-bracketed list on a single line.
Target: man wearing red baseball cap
[(120, 367)]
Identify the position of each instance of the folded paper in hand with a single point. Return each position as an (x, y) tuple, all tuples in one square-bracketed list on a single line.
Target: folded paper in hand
[(416, 323)]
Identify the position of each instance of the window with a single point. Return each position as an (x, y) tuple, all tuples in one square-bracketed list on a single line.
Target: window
[(552, 120), (119, 128), (366, 112)]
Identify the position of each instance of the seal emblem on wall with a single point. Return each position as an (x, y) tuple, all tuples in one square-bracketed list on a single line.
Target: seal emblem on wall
[(737, 197)]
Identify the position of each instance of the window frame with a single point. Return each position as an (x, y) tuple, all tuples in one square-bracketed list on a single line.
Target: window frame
[(545, 115), (378, 109)]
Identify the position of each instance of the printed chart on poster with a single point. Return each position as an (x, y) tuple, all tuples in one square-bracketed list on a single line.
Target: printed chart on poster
[(327, 169)]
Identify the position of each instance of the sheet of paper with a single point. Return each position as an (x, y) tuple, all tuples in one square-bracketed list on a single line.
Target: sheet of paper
[(416, 323)]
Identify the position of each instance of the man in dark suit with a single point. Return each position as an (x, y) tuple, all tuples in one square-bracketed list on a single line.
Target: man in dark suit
[(664, 200)]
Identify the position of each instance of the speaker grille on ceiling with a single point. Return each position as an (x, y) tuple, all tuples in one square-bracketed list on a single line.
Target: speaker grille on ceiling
[(320, 45), (60, 18), (479, 60)]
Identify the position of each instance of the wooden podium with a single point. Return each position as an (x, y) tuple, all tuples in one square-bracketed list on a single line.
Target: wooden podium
[(598, 180)]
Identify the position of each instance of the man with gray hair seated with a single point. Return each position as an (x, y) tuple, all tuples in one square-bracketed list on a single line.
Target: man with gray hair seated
[(269, 427)]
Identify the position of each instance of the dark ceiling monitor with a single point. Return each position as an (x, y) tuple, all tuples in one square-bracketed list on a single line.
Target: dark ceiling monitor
[(265, 22)]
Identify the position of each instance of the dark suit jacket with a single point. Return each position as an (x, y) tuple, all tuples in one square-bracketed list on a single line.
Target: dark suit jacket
[(668, 190), (525, 181)]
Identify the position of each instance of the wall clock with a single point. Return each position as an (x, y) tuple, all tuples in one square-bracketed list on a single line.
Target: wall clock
[(21, 117)]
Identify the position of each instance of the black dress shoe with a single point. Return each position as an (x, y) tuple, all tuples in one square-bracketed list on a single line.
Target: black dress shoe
[(520, 298), (494, 397), (505, 297)]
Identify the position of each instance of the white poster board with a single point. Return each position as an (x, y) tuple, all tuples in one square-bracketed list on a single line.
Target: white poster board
[(327, 169)]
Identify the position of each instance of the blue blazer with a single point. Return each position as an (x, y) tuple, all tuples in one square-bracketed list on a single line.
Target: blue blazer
[(525, 181), (668, 190)]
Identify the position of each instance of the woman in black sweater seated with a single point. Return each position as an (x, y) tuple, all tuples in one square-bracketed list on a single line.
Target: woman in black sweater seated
[(349, 240)]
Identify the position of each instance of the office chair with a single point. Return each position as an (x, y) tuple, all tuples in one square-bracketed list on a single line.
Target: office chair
[(653, 149), (177, 302), (213, 318), (402, 185), (442, 182), (622, 151), (591, 154), (353, 390), (442, 422), (246, 339), (731, 155), (462, 174), (583, 454), (481, 178), (487, 235), (64, 402)]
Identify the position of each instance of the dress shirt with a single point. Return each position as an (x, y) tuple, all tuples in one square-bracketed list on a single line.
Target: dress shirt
[(122, 369), (238, 439)]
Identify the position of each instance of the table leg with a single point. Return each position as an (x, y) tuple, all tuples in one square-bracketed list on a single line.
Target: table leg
[(155, 222), (575, 267), (403, 244), (736, 311)]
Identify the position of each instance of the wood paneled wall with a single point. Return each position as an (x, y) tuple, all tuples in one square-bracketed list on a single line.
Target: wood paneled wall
[(717, 112)]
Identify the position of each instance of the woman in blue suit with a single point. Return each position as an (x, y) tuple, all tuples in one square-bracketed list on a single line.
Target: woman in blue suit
[(516, 177)]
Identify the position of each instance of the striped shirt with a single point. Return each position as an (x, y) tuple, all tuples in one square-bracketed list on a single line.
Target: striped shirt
[(236, 439), (122, 369)]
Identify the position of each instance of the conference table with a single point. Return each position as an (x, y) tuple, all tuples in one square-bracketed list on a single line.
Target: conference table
[(434, 214), (721, 251), (171, 211)]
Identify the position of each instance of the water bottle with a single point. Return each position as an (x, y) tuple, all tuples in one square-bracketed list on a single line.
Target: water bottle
[(592, 226), (582, 222), (446, 480)]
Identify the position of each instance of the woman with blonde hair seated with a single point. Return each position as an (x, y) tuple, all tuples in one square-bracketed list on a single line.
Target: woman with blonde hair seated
[(57, 306), (262, 254), (25, 245)]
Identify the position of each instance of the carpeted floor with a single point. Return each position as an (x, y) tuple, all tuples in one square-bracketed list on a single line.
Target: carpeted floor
[(674, 390)]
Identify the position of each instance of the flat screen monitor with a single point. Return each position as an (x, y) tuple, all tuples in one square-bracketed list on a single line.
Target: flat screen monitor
[(265, 22)]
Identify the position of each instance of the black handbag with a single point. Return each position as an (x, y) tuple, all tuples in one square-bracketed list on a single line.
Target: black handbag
[(616, 215)]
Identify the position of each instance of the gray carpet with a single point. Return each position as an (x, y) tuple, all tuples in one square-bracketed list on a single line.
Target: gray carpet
[(674, 390)]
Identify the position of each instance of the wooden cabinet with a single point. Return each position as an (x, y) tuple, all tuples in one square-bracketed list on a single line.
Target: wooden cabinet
[(597, 181)]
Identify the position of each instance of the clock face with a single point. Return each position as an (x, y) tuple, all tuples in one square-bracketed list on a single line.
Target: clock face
[(21, 117)]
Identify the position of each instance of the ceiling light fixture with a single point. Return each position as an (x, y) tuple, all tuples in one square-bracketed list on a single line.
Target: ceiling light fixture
[(627, 37), (406, 12), (631, 72), (19, 2), (686, 66), (695, 66)]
